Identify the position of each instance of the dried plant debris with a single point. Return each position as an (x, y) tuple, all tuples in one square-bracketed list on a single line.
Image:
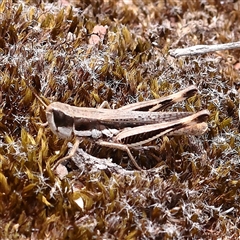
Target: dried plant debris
[(193, 191)]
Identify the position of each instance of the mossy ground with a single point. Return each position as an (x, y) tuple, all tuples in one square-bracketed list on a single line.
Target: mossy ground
[(195, 191)]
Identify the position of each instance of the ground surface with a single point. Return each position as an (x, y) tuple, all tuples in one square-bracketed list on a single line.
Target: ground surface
[(194, 190)]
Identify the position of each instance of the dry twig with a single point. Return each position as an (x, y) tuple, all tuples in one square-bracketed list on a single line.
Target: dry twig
[(201, 49)]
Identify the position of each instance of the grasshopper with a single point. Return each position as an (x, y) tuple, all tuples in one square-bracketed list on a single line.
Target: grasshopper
[(127, 127)]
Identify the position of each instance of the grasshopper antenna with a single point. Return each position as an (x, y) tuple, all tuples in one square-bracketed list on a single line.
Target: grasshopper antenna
[(35, 94)]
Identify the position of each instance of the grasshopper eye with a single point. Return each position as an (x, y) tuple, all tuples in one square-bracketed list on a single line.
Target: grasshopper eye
[(61, 119)]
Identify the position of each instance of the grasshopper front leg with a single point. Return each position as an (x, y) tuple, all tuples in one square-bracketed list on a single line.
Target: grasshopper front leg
[(70, 155)]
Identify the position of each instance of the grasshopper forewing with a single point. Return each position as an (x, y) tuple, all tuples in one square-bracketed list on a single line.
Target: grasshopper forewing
[(128, 127), (163, 102)]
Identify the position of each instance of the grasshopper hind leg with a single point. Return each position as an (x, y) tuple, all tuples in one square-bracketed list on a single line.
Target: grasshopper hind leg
[(121, 147)]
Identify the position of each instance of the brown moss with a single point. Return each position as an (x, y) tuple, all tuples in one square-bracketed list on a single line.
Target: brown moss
[(193, 193)]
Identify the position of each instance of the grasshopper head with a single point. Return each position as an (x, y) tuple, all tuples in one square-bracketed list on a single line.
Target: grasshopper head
[(60, 123)]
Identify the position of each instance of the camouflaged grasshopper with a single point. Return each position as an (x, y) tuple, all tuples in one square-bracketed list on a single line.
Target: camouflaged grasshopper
[(127, 127)]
